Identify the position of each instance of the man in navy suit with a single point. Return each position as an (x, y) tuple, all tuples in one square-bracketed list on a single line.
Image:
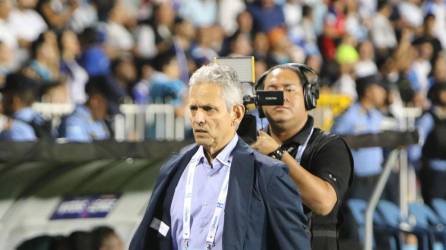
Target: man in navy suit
[(220, 193)]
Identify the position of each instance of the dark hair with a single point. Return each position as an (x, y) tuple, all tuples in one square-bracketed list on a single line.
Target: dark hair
[(21, 86), (434, 93), (306, 10), (117, 62), (163, 59), (381, 4), (99, 234), (363, 83), (81, 240), (89, 36)]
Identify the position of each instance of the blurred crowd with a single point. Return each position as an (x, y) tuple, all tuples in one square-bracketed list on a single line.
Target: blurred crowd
[(96, 54), (147, 49), (143, 51), (99, 238)]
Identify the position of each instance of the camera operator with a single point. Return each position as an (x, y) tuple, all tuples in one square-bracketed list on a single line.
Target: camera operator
[(319, 163)]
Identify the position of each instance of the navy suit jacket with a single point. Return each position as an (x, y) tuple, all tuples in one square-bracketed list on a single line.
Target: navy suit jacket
[(263, 207)]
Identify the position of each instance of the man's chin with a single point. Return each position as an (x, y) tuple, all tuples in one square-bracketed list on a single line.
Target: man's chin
[(279, 118), (202, 141)]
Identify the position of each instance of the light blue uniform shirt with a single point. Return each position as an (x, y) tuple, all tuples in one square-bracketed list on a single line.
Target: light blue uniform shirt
[(425, 125), (207, 184), (355, 121), (20, 130), (80, 126)]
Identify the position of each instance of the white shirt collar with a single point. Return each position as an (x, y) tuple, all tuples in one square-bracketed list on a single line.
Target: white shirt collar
[(223, 157)]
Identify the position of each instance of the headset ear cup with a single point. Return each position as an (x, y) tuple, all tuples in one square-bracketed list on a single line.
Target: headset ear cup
[(307, 97), (311, 94)]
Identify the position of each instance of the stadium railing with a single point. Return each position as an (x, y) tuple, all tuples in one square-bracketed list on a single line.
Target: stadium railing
[(133, 123)]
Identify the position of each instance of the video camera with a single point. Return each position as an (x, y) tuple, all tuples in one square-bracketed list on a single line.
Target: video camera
[(252, 99)]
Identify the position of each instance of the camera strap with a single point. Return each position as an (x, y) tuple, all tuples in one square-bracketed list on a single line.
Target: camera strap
[(301, 148)]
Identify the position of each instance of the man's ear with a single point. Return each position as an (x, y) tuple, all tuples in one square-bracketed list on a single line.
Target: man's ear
[(238, 113)]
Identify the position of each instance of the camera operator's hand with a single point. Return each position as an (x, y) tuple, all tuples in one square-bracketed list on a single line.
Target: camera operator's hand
[(265, 144)]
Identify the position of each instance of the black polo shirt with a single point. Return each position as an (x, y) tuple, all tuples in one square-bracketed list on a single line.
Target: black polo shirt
[(328, 157)]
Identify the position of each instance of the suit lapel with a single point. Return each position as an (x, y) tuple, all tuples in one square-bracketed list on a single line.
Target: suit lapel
[(238, 202), (167, 172)]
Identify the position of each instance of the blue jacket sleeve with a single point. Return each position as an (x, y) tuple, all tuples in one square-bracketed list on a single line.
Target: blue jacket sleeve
[(286, 215)]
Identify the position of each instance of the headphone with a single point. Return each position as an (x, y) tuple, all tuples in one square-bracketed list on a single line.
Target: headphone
[(310, 85)]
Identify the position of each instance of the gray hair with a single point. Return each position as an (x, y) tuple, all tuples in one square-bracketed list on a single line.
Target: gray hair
[(223, 76)]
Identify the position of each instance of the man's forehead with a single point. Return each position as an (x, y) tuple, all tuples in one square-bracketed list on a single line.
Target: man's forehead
[(282, 75), (205, 94)]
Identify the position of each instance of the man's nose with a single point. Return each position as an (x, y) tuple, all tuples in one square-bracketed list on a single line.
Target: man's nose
[(199, 117)]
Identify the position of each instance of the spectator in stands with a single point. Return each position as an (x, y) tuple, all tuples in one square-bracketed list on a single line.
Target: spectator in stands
[(432, 153), (361, 118), (421, 67), (57, 14), (382, 31), (334, 29), (428, 34), (118, 37), (84, 16), (439, 70), (105, 238), (76, 76), (353, 23), (7, 34), (80, 240), (438, 9), (223, 171), (87, 123), (206, 8), (240, 46), (366, 65), (304, 33), (244, 28), (162, 25), (26, 23), (259, 9), (6, 61), (93, 58), (45, 242), (182, 44), (165, 85), (282, 49), (261, 46), (411, 13), (19, 94), (346, 57), (203, 52), (123, 76), (44, 62)]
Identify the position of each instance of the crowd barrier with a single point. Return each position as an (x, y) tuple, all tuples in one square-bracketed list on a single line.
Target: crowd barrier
[(133, 123)]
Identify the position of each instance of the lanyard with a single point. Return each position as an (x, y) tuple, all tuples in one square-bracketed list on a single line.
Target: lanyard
[(188, 204), (301, 148)]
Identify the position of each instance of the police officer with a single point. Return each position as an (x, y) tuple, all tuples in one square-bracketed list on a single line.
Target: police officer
[(18, 95), (432, 153), (320, 164), (88, 121), (361, 118)]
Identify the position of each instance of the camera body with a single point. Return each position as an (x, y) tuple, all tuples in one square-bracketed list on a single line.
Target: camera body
[(244, 66), (252, 99)]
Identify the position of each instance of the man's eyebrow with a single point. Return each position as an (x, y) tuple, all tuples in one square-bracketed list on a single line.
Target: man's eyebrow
[(202, 106), (282, 83)]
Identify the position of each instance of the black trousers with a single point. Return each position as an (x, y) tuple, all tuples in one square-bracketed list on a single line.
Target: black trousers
[(433, 184)]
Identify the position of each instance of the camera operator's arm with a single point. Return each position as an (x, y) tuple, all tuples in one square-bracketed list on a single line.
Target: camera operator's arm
[(317, 194)]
